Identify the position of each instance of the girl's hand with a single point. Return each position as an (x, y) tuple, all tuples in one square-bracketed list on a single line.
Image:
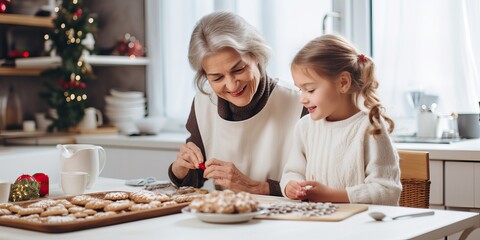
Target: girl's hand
[(227, 176), (295, 191), (189, 157), (318, 192)]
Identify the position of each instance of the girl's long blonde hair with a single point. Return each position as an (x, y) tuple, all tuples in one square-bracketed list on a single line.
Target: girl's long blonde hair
[(329, 56)]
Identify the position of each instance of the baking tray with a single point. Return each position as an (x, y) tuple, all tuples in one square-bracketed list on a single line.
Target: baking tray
[(89, 223)]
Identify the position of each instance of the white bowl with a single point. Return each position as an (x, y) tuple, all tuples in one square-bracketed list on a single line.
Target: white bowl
[(120, 110), (117, 101), (150, 125), (124, 116), (127, 94)]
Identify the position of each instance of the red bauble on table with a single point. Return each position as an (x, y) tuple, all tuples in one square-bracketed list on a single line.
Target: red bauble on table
[(26, 176), (42, 178)]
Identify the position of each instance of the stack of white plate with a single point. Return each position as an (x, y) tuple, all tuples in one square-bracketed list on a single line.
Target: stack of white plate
[(124, 107)]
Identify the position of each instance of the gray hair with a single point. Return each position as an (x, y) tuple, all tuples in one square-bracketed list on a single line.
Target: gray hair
[(220, 30)]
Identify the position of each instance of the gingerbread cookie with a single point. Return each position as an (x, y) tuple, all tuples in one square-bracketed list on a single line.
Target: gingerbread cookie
[(116, 196), (59, 210), (141, 206), (15, 208), (162, 197), (28, 211), (81, 200), (76, 209), (97, 204), (185, 190), (118, 205), (65, 203), (5, 205), (143, 196), (43, 204), (4, 211)]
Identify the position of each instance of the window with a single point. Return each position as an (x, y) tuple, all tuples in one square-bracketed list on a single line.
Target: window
[(431, 46), (286, 25)]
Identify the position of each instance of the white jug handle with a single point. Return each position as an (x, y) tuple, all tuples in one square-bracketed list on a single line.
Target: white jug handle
[(103, 159), (99, 117)]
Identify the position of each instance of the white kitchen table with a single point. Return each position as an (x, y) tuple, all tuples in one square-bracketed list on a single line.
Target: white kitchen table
[(185, 226)]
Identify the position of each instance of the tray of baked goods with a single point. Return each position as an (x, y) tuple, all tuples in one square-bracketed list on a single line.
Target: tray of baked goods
[(93, 210)]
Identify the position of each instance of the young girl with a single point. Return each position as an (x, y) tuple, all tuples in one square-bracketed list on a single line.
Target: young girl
[(341, 153)]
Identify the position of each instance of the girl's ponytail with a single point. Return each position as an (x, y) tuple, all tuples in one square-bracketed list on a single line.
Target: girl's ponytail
[(371, 100)]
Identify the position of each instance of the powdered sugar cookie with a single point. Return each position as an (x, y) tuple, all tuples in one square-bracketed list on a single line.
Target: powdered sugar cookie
[(65, 203), (55, 211), (162, 197), (169, 203), (81, 200), (4, 211), (143, 196), (5, 205), (118, 205), (15, 208), (116, 196), (80, 215), (76, 209), (97, 204), (141, 206), (90, 211), (60, 219), (43, 204), (28, 211)]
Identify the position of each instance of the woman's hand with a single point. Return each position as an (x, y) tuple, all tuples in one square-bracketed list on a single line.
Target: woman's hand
[(189, 157), (295, 191), (318, 192), (227, 176)]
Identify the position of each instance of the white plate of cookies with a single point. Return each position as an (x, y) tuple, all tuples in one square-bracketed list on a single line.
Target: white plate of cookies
[(224, 207), (223, 217)]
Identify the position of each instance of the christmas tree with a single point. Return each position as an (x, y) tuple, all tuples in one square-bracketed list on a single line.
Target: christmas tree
[(66, 88)]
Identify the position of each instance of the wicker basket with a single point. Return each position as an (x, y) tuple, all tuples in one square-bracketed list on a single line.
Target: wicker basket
[(415, 193)]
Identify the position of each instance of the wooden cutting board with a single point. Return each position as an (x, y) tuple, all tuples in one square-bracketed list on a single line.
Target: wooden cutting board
[(343, 211)]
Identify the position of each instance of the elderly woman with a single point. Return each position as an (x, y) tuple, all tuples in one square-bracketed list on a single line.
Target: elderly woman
[(241, 122)]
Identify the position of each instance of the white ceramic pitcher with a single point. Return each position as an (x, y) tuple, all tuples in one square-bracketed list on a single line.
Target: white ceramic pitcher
[(91, 120), (83, 158)]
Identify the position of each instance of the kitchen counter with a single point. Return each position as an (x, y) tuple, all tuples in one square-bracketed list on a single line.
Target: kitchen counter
[(465, 150), (185, 226)]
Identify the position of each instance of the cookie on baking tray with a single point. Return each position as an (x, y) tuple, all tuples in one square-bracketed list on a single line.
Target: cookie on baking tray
[(143, 196), (5, 205), (4, 211), (81, 199), (58, 210), (43, 204), (118, 206), (116, 196), (97, 204), (28, 211)]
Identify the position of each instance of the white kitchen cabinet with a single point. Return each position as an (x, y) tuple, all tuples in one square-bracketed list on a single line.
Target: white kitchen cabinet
[(132, 163), (436, 179), (460, 184)]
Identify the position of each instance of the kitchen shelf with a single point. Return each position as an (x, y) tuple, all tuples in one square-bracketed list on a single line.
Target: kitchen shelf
[(35, 65), (25, 20), (11, 71)]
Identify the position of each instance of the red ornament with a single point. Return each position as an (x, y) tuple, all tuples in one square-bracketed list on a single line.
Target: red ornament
[(78, 12), (82, 85), (26, 176), (202, 166), (42, 178)]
